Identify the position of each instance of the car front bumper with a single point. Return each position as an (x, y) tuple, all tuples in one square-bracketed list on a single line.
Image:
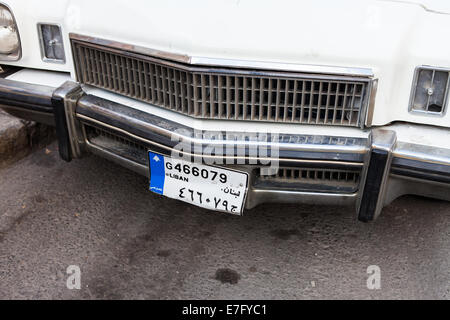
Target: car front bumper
[(386, 160)]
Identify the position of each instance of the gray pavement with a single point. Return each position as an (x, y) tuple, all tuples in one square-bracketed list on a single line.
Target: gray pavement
[(19, 137), (130, 243)]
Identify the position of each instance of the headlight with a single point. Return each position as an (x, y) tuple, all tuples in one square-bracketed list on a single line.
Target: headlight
[(9, 35), (430, 90)]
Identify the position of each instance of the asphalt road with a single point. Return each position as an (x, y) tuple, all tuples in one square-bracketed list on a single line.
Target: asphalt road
[(130, 243)]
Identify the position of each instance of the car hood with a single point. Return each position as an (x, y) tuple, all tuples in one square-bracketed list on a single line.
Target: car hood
[(348, 33)]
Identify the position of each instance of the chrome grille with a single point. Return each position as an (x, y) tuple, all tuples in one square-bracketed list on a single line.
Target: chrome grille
[(314, 174), (220, 93), (116, 143)]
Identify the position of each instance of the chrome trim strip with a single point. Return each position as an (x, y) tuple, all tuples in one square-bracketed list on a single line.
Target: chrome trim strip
[(258, 196), (425, 175), (421, 165), (282, 66), (409, 152), (27, 101), (228, 63), (234, 157), (371, 105), (428, 163), (131, 48), (151, 127), (20, 93)]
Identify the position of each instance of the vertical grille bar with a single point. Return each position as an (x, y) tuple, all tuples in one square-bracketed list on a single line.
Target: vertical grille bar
[(253, 94), (196, 109), (261, 99), (148, 94), (158, 84), (189, 93), (236, 95), (286, 99), (204, 97), (169, 78), (220, 97), (269, 101), (327, 103), (118, 72), (277, 100), (108, 70), (344, 104), (319, 102), (244, 93), (228, 88), (212, 91), (135, 77)]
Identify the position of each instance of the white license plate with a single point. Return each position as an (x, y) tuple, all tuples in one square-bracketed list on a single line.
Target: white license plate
[(202, 185)]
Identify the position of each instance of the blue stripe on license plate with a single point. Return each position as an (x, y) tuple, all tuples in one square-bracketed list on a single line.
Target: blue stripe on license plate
[(157, 172)]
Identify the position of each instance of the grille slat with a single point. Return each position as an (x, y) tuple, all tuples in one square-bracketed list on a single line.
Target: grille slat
[(224, 94)]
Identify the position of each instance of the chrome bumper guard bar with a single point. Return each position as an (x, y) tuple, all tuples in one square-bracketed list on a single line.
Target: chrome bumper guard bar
[(388, 167)]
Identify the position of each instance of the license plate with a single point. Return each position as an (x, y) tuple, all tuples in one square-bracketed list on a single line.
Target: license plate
[(205, 186)]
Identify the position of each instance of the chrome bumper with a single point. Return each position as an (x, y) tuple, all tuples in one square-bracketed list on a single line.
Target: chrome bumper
[(387, 166)]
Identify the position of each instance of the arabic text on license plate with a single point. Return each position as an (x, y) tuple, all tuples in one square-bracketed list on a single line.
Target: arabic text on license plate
[(202, 185)]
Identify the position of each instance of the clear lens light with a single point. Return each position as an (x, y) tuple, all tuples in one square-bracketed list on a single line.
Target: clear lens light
[(431, 90), (52, 43), (9, 36)]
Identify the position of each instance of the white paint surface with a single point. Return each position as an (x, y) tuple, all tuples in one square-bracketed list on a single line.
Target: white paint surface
[(389, 37)]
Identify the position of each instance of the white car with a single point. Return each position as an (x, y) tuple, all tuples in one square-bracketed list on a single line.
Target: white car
[(230, 104)]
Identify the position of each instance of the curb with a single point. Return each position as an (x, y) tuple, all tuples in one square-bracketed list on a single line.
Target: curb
[(19, 137)]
